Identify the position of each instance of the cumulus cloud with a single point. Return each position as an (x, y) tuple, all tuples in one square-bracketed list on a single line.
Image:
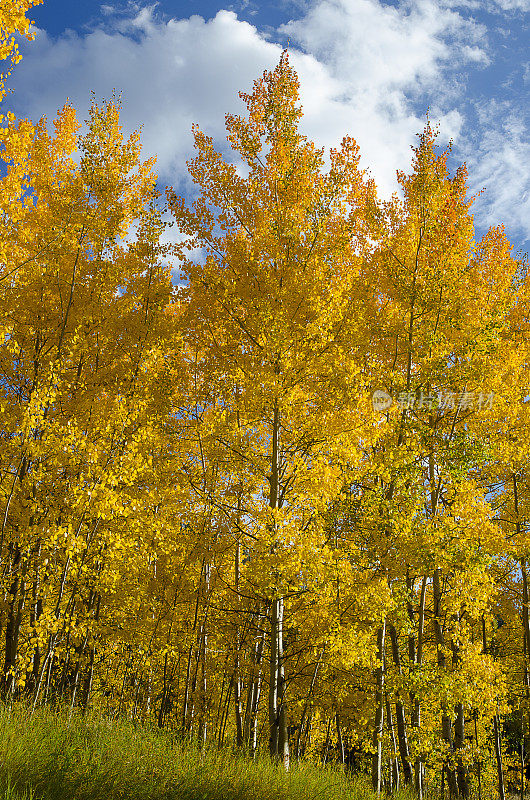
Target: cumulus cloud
[(500, 163), (489, 6), (511, 5), (385, 61), (361, 65), (367, 68), (171, 74)]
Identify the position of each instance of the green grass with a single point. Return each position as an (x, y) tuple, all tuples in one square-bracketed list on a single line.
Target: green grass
[(45, 759)]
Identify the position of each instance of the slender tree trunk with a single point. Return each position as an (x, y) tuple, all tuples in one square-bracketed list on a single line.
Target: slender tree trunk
[(307, 735), (462, 773), (162, 709), (224, 720), (253, 731), (278, 739), (525, 609), (479, 761), (203, 703), (283, 738), (87, 683), (400, 713), (77, 671), (496, 728), (273, 682), (498, 756), (447, 734), (187, 691), (340, 740), (526, 615), (188, 685), (305, 710), (14, 618), (222, 704), (237, 704), (149, 691), (35, 614), (49, 674), (326, 745), (459, 741), (254, 693), (67, 651), (416, 659), (379, 711), (37, 654), (522, 757), (237, 671), (203, 651), (394, 760)]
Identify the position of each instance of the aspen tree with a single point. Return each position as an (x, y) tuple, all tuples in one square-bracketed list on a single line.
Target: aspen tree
[(442, 330), (273, 309)]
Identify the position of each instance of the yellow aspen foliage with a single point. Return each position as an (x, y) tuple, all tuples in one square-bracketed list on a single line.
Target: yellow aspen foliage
[(13, 20), (284, 505)]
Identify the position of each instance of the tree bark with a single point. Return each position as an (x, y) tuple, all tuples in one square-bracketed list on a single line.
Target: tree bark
[(459, 741), (237, 676), (401, 722), (498, 756), (394, 760), (416, 658), (203, 650), (278, 739), (447, 734), (379, 711), (305, 709), (14, 618), (254, 692)]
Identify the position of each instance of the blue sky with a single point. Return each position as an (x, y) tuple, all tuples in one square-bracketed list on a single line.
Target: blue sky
[(368, 68)]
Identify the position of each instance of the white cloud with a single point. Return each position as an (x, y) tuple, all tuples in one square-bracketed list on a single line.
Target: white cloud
[(171, 74), (511, 5), (367, 68), (382, 59), (500, 163), (489, 6), (380, 45), (363, 64)]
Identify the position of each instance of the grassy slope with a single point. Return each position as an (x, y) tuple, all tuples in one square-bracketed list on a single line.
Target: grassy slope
[(45, 759)]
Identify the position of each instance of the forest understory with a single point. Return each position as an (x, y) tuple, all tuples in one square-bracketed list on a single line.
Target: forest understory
[(56, 756)]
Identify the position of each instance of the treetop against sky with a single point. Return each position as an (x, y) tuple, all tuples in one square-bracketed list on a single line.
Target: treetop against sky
[(368, 68)]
